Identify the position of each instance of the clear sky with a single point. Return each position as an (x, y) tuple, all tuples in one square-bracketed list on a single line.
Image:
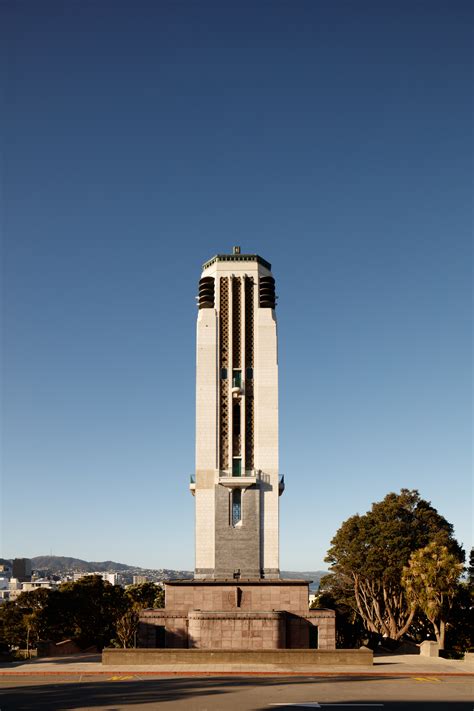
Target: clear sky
[(331, 137)]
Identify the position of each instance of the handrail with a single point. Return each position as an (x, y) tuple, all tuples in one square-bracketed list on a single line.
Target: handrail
[(247, 473)]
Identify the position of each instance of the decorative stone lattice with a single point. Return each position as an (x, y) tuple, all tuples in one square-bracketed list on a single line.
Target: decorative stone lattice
[(224, 365), (236, 323), (249, 364)]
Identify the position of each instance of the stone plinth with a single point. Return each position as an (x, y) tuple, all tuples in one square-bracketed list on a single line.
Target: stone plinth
[(237, 630), (429, 648), (237, 614), (186, 595), (284, 659)]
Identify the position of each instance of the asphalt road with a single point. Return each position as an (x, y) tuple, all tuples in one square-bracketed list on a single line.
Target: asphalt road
[(115, 692)]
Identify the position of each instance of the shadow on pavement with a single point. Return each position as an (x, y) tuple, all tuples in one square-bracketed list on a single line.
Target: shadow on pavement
[(20, 694), (33, 664), (99, 694), (76, 659)]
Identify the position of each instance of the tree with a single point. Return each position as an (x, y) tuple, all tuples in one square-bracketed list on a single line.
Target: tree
[(143, 595), (368, 554), (21, 620), (159, 600), (431, 582), (138, 597), (460, 627), (126, 627), (333, 595), (86, 610), (13, 630), (470, 570), (33, 604)]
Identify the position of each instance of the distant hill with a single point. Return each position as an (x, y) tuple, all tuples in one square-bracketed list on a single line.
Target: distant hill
[(63, 564), (59, 564)]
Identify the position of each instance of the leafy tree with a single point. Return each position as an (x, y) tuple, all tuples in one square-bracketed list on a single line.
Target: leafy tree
[(36, 600), (368, 554), (159, 600), (470, 570), (138, 597), (89, 610), (431, 582), (33, 604), (126, 627), (21, 620), (334, 595), (13, 630), (143, 595), (460, 627), (86, 610)]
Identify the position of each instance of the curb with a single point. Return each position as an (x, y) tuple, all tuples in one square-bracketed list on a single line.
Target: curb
[(139, 674)]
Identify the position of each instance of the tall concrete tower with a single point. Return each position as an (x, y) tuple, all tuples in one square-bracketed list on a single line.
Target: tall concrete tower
[(237, 482), (237, 600)]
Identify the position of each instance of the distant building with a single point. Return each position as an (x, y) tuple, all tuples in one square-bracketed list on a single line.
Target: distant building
[(5, 570), (139, 579), (39, 584), (111, 578), (14, 587), (21, 569)]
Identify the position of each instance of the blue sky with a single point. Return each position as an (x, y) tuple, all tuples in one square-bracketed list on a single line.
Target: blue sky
[(141, 138)]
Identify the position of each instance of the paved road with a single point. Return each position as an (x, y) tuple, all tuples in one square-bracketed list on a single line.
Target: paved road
[(117, 692)]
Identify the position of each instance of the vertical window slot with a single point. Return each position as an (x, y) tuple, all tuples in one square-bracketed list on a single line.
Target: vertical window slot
[(237, 379), (236, 507)]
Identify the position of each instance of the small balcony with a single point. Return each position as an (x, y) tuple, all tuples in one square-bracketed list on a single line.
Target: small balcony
[(241, 480)]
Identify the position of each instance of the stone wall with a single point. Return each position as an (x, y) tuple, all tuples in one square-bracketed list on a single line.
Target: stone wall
[(314, 629), (291, 596), (161, 628), (244, 614), (304, 659), (237, 547), (237, 630)]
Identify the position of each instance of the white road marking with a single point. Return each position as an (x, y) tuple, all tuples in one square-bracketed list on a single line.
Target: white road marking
[(309, 705), (315, 705)]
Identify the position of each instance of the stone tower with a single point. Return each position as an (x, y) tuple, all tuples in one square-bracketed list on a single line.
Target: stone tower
[(237, 482), (237, 600)]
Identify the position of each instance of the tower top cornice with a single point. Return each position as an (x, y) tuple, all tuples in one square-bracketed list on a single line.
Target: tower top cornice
[(237, 257)]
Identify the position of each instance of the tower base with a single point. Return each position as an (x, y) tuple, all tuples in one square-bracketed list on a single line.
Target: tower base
[(237, 614)]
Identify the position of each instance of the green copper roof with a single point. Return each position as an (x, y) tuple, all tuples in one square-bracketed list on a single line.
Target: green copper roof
[(237, 258)]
